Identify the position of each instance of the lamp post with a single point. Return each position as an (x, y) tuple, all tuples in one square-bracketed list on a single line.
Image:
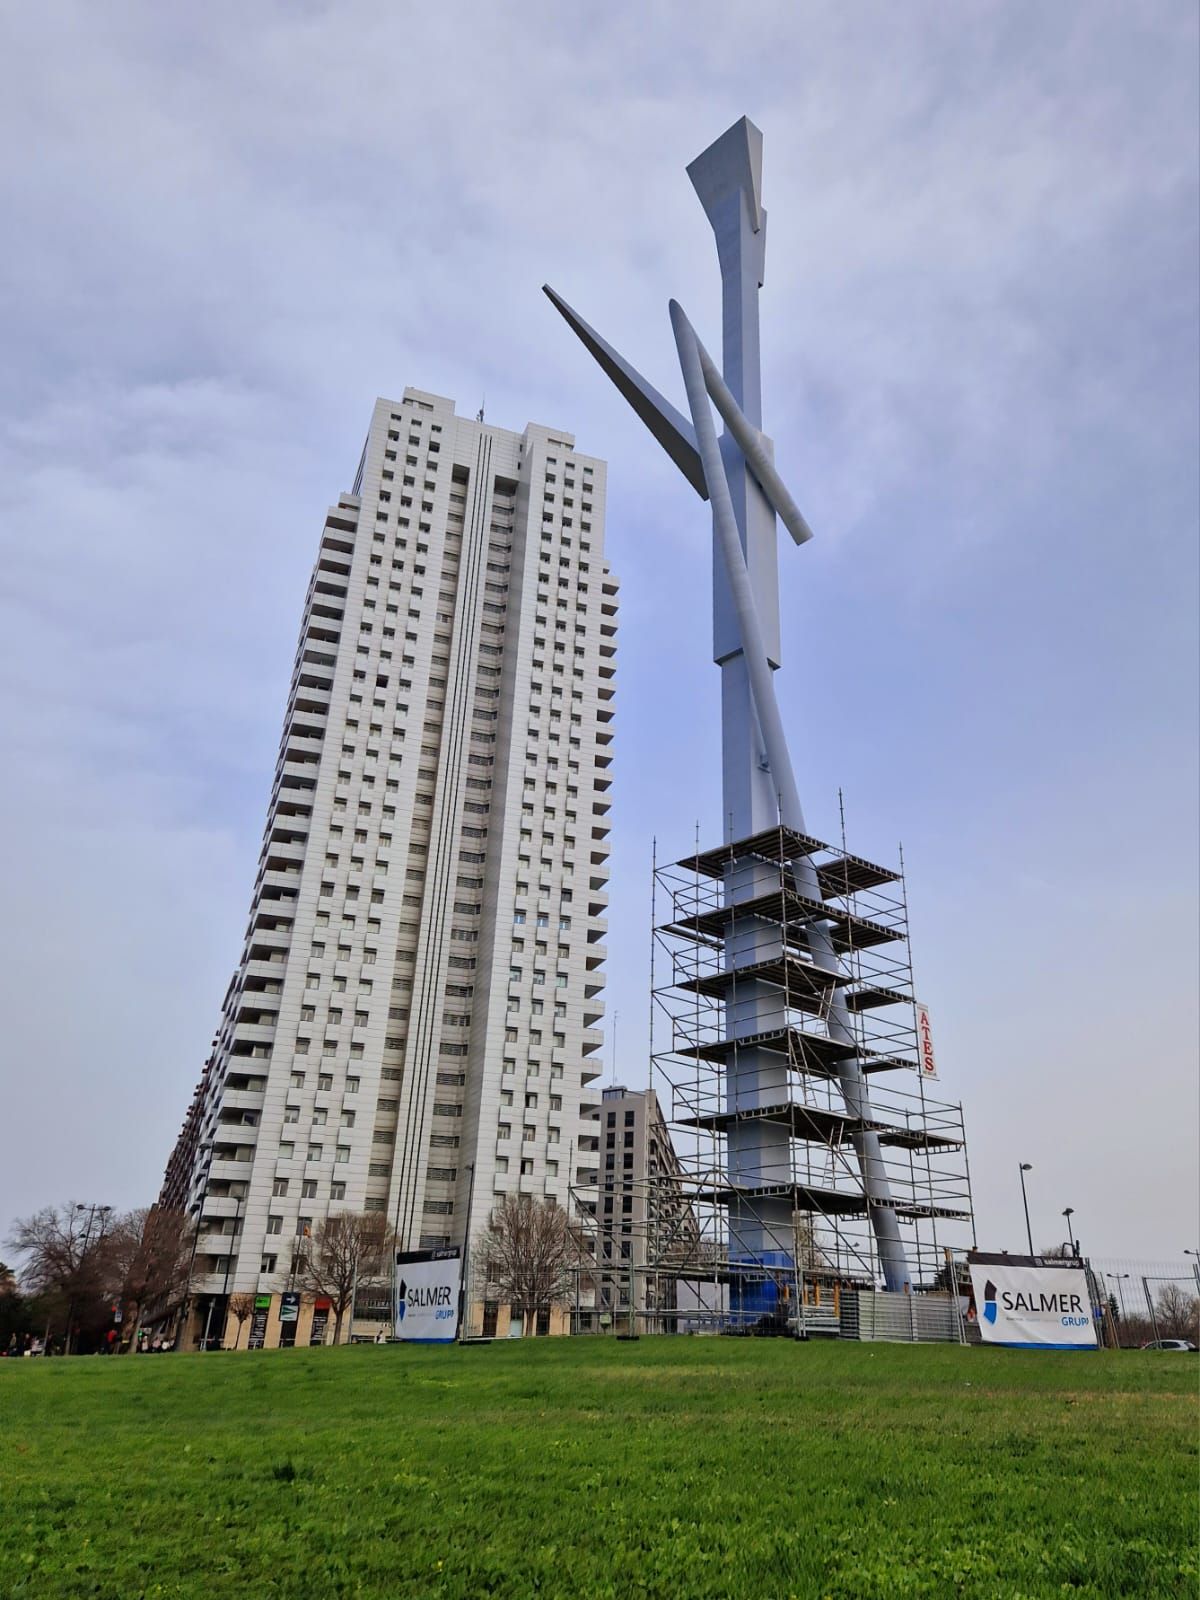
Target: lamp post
[(464, 1292), (1069, 1213), (1026, 1166), (186, 1309), (93, 1212), (237, 1221), (1120, 1276)]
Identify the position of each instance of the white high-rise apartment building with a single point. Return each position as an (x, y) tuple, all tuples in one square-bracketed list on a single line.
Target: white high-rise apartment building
[(413, 1025)]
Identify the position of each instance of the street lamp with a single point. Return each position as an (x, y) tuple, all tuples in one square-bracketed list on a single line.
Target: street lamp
[(1069, 1213), (103, 1212), (464, 1293), (185, 1310), (1119, 1276), (1026, 1166)]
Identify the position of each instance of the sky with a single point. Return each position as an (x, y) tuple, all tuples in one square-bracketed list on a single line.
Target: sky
[(231, 227)]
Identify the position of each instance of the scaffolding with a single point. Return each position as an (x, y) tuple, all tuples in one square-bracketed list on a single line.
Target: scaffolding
[(758, 1090)]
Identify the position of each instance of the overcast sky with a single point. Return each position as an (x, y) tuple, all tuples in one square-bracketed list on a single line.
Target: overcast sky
[(230, 227)]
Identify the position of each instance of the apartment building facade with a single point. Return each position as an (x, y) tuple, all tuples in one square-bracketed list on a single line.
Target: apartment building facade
[(413, 1024), (644, 1229)]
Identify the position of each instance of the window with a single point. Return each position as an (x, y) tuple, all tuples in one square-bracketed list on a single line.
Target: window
[(308, 1189), (279, 1188), (274, 1224), (337, 1191), (267, 1265)]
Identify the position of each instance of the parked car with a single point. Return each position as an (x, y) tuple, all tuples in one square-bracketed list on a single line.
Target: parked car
[(1169, 1344)]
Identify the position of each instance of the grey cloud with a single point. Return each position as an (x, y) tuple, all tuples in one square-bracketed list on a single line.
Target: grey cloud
[(234, 227)]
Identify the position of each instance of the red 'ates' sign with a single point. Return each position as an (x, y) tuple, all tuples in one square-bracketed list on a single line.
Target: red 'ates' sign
[(927, 1064)]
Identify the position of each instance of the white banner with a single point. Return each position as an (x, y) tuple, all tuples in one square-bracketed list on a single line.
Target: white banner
[(427, 1287), (926, 1064), (1046, 1306)]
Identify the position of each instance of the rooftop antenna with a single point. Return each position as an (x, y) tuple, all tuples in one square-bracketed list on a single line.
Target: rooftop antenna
[(842, 815), (479, 413), (612, 1076)]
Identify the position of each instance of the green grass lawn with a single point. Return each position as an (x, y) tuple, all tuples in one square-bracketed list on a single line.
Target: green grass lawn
[(588, 1468)]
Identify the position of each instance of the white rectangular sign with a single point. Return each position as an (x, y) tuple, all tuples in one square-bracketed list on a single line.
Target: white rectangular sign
[(427, 1288), (926, 1064), (1031, 1305)]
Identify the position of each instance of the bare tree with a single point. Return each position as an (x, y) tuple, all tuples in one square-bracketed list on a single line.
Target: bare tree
[(1177, 1313), (347, 1248), (241, 1309), (8, 1280), (64, 1249), (145, 1263), (527, 1253)]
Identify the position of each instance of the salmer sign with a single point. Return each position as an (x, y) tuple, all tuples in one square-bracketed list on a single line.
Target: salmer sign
[(1035, 1302), (427, 1286)]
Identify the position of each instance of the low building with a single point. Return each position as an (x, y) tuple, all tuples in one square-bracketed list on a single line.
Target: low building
[(643, 1219)]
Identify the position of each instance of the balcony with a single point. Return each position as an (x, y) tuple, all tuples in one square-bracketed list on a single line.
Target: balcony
[(216, 1244), (234, 1171), (243, 1099), (298, 774), (230, 1126), (251, 1034), (303, 744), (283, 851), (311, 701), (280, 878), (270, 967)]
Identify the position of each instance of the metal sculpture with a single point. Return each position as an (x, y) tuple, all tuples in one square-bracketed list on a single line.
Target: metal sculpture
[(737, 475)]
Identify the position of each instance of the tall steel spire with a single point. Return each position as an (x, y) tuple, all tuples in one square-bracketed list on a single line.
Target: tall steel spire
[(736, 474)]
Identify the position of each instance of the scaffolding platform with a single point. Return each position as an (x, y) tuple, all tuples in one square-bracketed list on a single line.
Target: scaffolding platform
[(807, 986), (775, 846), (802, 1121), (846, 875), (792, 913), (831, 1068), (813, 1053), (870, 997)]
